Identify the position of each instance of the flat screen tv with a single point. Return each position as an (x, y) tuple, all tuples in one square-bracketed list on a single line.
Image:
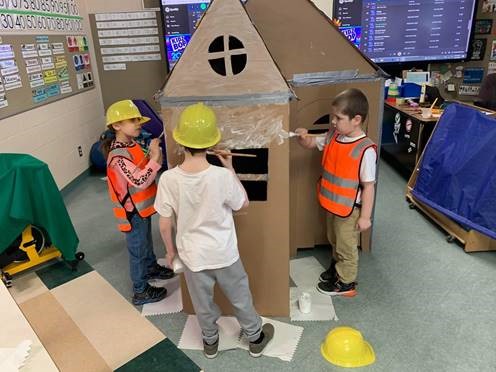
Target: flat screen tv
[(390, 31), (180, 19)]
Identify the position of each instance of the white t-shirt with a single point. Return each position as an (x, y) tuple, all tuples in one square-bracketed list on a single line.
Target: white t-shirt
[(368, 165), (202, 205)]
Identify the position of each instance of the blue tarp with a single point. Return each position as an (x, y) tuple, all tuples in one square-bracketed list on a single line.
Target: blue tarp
[(457, 175)]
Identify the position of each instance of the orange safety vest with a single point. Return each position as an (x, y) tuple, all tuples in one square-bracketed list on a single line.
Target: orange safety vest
[(142, 199), (338, 187)]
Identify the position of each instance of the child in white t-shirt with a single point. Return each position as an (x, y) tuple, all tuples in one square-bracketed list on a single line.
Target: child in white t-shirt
[(346, 188), (199, 198)]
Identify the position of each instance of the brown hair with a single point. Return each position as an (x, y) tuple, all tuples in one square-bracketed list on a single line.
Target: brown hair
[(352, 102), (106, 141), (194, 151)]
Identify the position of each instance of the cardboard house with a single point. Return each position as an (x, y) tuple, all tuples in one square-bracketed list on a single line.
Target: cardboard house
[(319, 62), (227, 66)]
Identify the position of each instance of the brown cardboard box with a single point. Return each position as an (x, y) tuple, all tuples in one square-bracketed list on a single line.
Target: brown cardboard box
[(251, 101), (303, 40)]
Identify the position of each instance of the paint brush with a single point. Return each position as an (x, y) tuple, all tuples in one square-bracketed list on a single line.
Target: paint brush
[(228, 153), (433, 103), (293, 134), (146, 152)]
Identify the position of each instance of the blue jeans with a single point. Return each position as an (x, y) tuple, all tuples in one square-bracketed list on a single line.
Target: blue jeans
[(140, 247)]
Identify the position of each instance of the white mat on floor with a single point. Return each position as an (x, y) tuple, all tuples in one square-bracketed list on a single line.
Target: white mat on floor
[(322, 307), (229, 331), (283, 346), (305, 272), (285, 342), (12, 359), (171, 304)]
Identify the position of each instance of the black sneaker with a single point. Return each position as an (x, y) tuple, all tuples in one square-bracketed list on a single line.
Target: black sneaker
[(149, 295), (337, 289), (157, 271), (210, 351), (267, 334), (330, 274)]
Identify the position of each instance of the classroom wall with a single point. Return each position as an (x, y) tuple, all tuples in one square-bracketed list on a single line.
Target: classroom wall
[(53, 132)]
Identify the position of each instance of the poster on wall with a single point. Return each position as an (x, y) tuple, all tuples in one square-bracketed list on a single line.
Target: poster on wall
[(478, 49), (488, 6), (491, 68), (473, 75), (42, 49), (492, 56), (483, 26), (122, 43)]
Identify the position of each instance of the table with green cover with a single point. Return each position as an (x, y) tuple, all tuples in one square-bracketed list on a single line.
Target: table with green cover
[(29, 195)]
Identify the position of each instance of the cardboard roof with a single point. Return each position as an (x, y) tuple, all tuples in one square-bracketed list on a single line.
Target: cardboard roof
[(193, 78), (302, 39)]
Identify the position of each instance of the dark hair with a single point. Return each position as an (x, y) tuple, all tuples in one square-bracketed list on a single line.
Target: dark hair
[(194, 151), (106, 141), (352, 102)]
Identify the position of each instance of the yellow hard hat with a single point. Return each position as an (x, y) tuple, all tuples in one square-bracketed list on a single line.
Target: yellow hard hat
[(345, 347), (197, 127), (124, 110)]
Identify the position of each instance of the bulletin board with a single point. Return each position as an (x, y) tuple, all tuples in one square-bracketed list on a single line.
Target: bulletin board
[(39, 69), (130, 55), (462, 81)]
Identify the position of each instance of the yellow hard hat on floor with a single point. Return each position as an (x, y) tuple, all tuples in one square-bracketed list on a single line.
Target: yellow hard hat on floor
[(345, 347), (197, 127), (124, 110)]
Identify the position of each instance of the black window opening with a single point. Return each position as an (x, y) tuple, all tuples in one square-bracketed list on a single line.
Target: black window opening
[(326, 119), (253, 172), (227, 55), (323, 120)]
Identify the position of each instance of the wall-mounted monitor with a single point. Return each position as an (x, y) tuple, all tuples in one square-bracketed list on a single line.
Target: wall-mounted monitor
[(180, 19), (407, 30)]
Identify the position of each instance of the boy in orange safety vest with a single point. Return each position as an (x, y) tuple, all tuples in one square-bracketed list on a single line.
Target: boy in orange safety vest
[(132, 189), (346, 188)]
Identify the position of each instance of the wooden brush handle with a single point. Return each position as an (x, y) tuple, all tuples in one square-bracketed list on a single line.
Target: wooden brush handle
[(223, 152)]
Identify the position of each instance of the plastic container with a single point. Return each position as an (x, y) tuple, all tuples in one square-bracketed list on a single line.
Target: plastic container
[(410, 90), (305, 302), (426, 112), (177, 265)]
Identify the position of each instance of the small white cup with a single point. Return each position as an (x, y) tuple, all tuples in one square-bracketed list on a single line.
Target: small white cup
[(426, 112), (305, 302), (177, 265)]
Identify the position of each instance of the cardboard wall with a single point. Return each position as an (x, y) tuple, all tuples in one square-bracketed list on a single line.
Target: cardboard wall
[(307, 217), (301, 39), (263, 234)]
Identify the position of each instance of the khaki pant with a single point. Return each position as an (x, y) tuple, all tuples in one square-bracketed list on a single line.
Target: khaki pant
[(343, 236)]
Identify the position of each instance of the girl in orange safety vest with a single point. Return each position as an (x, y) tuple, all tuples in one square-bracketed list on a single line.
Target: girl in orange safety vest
[(132, 189)]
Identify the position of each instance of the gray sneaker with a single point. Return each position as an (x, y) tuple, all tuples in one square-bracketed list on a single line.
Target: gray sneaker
[(210, 351), (256, 350)]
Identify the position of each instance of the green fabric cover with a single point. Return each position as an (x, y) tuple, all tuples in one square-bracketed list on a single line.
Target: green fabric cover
[(29, 195)]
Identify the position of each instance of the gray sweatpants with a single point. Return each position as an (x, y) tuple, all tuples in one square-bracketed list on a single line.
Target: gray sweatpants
[(234, 284)]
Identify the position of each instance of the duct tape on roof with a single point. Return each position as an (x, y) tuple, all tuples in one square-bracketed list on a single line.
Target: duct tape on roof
[(239, 100), (332, 77)]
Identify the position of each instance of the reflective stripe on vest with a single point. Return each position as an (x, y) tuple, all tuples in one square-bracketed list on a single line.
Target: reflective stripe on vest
[(142, 199), (122, 221), (340, 181)]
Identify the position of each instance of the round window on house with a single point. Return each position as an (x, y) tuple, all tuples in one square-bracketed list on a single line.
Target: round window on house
[(227, 55)]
